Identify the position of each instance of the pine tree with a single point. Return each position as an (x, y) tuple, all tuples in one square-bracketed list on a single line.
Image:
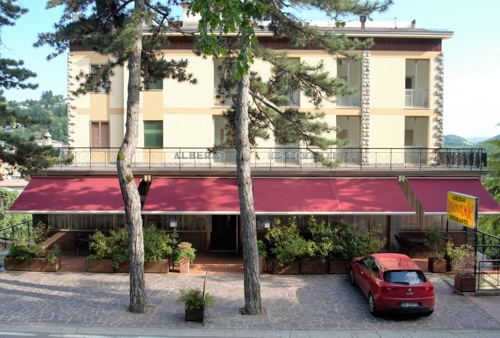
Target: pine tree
[(18, 150), (259, 103), (115, 28)]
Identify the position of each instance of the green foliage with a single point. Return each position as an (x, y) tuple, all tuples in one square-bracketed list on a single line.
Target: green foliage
[(114, 247), (353, 240), (26, 246), (286, 244), (434, 240), (193, 299), (459, 256), (322, 235), (52, 254), (262, 249), (182, 251), (157, 243), (7, 197)]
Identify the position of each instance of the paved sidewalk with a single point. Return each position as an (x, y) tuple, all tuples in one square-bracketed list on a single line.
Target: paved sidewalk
[(295, 305)]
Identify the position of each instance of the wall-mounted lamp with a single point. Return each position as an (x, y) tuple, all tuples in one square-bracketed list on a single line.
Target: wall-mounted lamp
[(173, 223), (267, 224)]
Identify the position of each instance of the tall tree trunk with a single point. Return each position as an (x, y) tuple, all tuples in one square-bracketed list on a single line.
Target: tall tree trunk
[(130, 193), (247, 213)]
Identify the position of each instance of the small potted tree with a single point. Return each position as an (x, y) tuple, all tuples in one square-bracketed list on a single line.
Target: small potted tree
[(434, 240), (30, 253), (464, 280), (184, 254), (195, 303)]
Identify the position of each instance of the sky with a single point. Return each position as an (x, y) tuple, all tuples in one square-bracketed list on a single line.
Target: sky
[(471, 57)]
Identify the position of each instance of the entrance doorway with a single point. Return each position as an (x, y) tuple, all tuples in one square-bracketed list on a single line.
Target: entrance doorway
[(223, 236)]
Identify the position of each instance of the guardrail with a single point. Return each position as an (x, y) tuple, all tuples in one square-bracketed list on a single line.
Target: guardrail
[(7, 234), (489, 264), (286, 157)]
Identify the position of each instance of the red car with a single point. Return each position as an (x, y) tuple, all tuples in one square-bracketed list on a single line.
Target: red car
[(393, 283)]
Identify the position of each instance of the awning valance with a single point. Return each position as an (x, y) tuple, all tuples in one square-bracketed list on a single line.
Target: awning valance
[(277, 196), (49, 195), (330, 196), (207, 195), (432, 194)]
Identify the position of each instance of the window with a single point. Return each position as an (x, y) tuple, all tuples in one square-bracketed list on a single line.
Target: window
[(103, 84), (349, 71), (417, 83), (153, 134), (224, 84), (99, 134), (157, 85)]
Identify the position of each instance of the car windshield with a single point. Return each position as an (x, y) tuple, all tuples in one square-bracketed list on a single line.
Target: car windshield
[(405, 277)]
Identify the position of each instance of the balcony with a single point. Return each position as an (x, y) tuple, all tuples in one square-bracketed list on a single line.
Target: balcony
[(279, 159), (416, 98)]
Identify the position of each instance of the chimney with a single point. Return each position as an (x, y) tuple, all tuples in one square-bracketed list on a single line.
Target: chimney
[(190, 20), (413, 23), (362, 19)]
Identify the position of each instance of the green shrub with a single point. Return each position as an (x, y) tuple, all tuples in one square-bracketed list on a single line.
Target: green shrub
[(193, 299)]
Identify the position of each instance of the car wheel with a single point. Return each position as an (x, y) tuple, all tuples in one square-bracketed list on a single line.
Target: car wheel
[(351, 277), (371, 305)]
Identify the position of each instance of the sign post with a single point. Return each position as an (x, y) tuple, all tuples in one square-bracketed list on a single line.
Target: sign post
[(463, 209)]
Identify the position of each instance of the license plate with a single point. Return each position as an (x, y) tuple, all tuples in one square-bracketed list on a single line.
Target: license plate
[(409, 304)]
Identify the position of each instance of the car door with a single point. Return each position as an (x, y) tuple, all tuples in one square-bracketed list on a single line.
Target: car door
[(365, 274)]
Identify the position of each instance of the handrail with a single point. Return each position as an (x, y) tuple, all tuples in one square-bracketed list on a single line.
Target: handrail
[(489, 263), (7, 234), (294, 158)]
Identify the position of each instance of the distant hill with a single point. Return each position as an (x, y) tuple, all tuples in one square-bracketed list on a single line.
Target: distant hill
[(456, 141)]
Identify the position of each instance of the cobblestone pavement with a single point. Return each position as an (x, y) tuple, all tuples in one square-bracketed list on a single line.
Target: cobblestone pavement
[(292, 302)]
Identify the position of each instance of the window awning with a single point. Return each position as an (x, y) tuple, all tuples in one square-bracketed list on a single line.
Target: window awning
[(49, 195), (277, 196), (432, 194), (207, 195), (330, 196)]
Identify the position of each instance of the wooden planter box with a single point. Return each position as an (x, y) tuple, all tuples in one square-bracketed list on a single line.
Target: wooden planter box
[(184, 266), (339, 266), (34, 265), (194, 315), (313, 267), (158, 267), (100, 266), (465, 283), (292, 268), (436, 265)]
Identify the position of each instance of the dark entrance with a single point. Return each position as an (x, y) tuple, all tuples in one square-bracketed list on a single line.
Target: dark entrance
[(223, 236)]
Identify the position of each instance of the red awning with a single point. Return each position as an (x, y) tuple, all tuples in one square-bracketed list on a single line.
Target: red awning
[(329, 196), (432, 194), (192, 196), (277, 196), (48, 195)]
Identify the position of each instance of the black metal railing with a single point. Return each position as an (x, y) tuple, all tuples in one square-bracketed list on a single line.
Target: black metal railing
[(7, 234), (286, 157), (488, 261)]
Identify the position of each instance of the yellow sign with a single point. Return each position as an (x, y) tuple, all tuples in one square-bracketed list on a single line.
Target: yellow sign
[(462, 209)]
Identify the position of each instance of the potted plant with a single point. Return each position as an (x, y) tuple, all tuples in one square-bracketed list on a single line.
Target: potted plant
[(108, 252), (353, 240), (262, 249), (322, 234), (434, 241), (287, 247), (464, 280), (29, 253), (195, 303), (184, 254), (157, 249)]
